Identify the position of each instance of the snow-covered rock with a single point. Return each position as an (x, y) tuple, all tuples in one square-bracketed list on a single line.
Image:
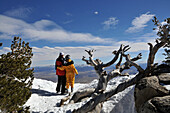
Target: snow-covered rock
[(45, 99)]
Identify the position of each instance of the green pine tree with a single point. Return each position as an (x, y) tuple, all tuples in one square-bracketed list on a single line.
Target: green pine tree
[(167, 59), (16, 77), (167, 46)]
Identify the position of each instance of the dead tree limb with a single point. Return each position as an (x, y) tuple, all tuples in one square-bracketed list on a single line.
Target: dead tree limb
[(101, 97), (99, 94), (104, 78), (81, 94), (116, 53), (90, 105)]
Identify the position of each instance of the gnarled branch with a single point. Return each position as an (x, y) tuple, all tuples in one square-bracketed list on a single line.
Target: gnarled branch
[(116, 53), (139, 68), (99, 95), (90, 105)]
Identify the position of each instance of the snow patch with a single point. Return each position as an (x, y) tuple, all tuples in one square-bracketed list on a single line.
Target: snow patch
[(167, 87), (45, 99)]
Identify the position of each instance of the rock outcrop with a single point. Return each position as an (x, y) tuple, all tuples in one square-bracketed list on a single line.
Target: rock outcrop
[(164, 78), (150, 94), (157, 105)]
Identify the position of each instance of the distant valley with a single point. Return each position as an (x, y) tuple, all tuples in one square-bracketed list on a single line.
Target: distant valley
[(86, 73)]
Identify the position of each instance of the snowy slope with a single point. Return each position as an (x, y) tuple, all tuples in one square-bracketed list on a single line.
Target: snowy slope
[(44, 98)]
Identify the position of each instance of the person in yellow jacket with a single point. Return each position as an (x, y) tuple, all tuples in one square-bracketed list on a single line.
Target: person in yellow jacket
[(70, 73)]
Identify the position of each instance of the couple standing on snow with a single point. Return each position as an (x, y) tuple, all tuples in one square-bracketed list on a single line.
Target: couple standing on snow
[(66, 73)]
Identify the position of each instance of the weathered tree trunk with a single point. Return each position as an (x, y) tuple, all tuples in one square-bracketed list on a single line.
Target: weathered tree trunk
[(106, 95), (99, 94), (81, 94)]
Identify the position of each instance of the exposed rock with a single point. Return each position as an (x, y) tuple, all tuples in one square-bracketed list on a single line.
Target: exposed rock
[(163, 68), (148, 107), (164, 78), (146, 89), (162, 103), (156, 105)]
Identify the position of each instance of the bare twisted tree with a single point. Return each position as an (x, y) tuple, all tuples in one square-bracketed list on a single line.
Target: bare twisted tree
[(99, 94)]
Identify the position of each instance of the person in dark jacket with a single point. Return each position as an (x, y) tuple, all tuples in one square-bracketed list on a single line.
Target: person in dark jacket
[(60, 73), (60, 61)]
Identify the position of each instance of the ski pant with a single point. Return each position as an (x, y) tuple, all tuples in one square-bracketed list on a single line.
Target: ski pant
[(70, 78), (61, 84)]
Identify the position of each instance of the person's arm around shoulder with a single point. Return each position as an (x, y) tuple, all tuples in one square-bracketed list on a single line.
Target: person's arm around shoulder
[(61, 68)]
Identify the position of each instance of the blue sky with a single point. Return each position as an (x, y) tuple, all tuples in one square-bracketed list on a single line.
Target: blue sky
[(71, 26)]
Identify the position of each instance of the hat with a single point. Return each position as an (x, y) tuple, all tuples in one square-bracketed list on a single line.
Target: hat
[(67, 57), (61, 53)]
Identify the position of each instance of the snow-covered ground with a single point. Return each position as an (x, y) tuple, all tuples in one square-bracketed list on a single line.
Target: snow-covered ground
[(45, 99)]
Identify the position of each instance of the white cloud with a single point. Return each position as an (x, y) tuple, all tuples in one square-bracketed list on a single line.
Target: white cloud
[(47, 55), (44, 25), (44, 30), (139, 23), (4, 50), (21, 12), (50, 54), (96, 12), (110, 23), (68, 14), (67, 22), (50, 31), (48, 15)]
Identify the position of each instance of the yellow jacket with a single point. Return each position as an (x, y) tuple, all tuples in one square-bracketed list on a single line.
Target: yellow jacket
[(70, 74)]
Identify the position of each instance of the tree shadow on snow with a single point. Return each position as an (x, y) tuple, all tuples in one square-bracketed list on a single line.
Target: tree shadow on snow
[(43, 92)]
